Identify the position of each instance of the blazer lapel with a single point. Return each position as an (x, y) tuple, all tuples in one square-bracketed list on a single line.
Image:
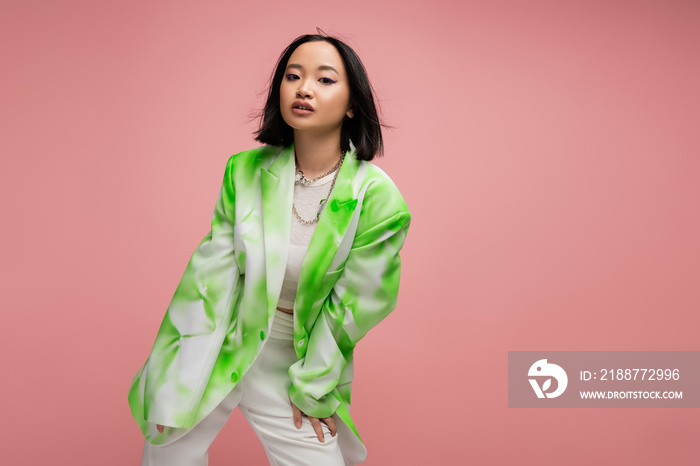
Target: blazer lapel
[(277, 185), (330, 231)]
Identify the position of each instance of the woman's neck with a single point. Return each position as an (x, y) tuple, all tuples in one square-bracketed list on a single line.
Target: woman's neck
[(316, 154)]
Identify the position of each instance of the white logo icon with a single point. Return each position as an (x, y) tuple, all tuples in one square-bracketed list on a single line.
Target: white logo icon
[(543, 369)]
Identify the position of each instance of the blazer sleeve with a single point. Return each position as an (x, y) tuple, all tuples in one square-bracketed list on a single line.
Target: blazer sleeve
[(364, 294), (182, 358)]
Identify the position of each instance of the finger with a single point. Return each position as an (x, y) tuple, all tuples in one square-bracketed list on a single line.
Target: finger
[(331, 425), (160, 428), (296, 414), (317, 427)]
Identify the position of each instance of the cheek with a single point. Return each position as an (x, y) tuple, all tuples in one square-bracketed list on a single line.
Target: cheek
[(282, 94), (342, 98), (285, 99), (286, 91), (342, 102)]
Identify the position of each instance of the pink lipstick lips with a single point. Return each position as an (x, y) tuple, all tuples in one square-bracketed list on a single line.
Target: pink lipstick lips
[(302, 108)]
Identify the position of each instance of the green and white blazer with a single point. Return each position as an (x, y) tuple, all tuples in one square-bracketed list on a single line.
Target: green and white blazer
[(221, 313)]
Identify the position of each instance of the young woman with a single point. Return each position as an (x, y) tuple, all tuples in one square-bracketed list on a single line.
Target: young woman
[(302, 260)]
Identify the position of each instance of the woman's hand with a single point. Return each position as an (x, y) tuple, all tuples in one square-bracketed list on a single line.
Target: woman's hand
[(316, 422), (160, 428)]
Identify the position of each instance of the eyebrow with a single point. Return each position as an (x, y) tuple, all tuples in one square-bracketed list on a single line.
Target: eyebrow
[(321, 68)]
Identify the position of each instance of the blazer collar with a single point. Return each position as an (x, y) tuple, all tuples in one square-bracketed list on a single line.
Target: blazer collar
[(277, 184)]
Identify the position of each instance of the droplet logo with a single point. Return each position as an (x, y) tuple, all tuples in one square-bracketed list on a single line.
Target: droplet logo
[(542, 369)]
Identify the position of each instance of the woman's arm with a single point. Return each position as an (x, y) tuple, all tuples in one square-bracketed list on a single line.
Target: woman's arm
[(365, 293), (195, 320)]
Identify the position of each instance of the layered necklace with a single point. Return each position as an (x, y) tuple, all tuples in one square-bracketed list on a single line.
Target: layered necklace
[(304, 181)]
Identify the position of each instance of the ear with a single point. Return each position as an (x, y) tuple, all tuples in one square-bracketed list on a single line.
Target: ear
[(350, 113)]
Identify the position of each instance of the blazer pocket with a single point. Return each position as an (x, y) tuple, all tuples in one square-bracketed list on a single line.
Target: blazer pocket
[(329, 280), (332, 276)]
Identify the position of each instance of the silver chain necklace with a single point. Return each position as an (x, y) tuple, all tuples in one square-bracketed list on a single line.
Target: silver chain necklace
[(305, 181)]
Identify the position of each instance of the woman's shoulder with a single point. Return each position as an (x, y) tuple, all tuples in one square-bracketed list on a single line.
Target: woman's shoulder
[(382, 199), (380, 183), (254, 158)]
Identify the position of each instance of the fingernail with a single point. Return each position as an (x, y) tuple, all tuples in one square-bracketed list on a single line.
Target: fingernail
[(297, 424)]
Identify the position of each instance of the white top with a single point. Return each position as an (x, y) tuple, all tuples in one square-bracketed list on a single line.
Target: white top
[(306, 202)]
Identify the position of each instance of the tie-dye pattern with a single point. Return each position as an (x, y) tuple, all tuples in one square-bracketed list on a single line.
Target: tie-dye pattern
[(221, 312)]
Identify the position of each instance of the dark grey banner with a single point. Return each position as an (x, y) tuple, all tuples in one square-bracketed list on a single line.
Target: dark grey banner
[(604, 379)]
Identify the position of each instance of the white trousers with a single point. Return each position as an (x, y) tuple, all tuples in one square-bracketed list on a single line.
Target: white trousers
[(262, 395)]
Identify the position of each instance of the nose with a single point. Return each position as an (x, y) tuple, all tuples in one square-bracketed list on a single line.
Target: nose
[(303, 90)]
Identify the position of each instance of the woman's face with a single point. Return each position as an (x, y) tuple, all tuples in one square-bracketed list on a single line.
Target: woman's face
[(315, 94)]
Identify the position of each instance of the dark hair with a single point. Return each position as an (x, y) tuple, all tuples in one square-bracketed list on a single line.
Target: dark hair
[(364, 128)]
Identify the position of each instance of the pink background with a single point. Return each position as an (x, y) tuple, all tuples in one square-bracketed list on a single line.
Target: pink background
[(548, 151)]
